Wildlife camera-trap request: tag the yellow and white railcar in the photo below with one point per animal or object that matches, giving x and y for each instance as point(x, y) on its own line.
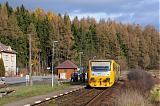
point(103, 73)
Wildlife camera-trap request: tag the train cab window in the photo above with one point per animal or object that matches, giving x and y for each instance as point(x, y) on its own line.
point(100, 68)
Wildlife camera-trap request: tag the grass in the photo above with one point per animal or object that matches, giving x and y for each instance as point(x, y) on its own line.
point(27, 91)
point(131, 98)
point(137, 89)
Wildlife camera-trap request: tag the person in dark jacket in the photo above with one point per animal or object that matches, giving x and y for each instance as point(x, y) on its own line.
point(76, 76)
point(73, 77)
point(83, 76)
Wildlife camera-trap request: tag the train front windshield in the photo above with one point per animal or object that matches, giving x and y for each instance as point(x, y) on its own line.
point(100, 68)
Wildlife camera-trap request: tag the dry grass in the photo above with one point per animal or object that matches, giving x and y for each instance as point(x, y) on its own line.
point(136, 90)
point(131, 98)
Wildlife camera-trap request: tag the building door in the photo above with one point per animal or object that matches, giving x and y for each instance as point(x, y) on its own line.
point(62, 75)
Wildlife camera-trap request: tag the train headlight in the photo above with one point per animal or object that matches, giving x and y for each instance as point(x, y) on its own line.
point(108, 79)
point(92, 80)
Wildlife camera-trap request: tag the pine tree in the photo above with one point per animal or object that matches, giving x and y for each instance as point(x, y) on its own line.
point(3, 20)
point(13, 28)
point(144, 58)
point(133, 48)
point(23, 18)
point(9, 9)
point(35, 46)
point(68, 38)
point(152, 39)
point(76, 33)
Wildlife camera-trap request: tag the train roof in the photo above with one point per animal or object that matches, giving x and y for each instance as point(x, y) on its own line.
point(110, 60)
point(103, 60)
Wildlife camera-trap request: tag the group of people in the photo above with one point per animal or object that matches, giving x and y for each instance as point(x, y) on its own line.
point(74, 77)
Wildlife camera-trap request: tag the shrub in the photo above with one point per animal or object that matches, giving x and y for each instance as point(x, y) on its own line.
point(140, 80)
point(2, 69)
point(131, 98)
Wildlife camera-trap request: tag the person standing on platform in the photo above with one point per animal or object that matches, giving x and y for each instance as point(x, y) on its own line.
point(72, 77)
point(83, 76)
point(76, 76)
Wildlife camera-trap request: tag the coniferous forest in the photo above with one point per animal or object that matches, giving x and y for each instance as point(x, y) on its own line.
point(132, 45)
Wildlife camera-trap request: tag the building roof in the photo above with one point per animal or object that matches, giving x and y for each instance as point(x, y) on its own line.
point(8, 49)
point(67, 65)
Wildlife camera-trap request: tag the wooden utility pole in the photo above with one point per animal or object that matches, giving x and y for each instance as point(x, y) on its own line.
point(53, 61)
point(39, 63)
point(30, 61)
point(80, 61)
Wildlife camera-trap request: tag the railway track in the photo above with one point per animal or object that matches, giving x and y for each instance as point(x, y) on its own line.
point(106, 97)
point(94, 100)
point(83, 100)
point(86, 97)
point(72, 98)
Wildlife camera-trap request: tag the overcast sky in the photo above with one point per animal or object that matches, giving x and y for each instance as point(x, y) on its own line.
point(141, 12)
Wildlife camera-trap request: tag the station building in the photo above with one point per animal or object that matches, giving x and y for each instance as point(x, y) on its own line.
point(65, 69)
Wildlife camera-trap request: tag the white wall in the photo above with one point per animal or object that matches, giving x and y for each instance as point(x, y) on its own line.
point(9, 63)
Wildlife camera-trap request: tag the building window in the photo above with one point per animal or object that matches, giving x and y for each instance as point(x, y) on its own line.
point(6, 68)
point(12, 68)
point(6, 57)
point(12, 58)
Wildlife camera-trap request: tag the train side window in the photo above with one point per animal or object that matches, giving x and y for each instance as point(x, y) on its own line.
point(119, 69)
point(114, 67)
